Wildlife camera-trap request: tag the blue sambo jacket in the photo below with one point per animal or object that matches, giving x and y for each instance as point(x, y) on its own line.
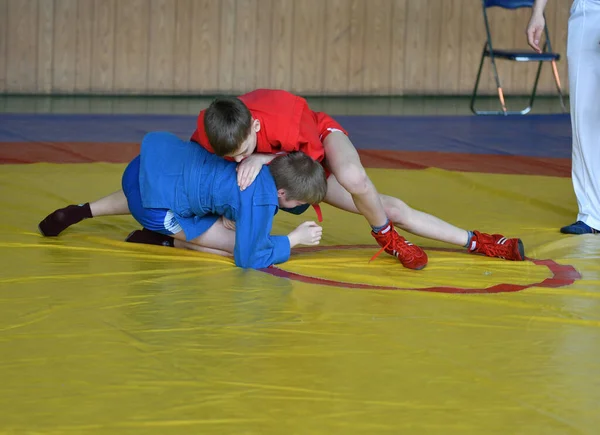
point(191, 182)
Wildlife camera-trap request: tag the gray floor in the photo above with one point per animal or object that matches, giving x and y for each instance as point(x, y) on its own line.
point(412, 105)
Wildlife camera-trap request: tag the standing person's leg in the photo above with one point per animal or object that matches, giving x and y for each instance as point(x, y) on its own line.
point(583, 53)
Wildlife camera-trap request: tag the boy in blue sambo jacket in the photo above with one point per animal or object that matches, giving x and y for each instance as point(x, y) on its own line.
point(178, 190)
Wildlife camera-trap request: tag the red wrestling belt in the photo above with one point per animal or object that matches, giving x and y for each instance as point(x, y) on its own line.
point(317, 208)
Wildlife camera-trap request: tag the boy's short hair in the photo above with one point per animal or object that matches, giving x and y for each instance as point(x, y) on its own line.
point(227, 123)
point(300, 176)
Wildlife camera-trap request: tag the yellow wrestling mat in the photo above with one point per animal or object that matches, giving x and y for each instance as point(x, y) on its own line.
point(99, 336)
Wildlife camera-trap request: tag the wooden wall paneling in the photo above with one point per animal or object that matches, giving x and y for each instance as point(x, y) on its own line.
point(244, 64)
point(558, 36)
point(131, 43)
point(488, 83)
point(508, 32)
point(523, 73)
point(83, 51)
point(432, 54)
point(204, 71)
point(472, 40)
point(264, 33)
point(227, 40)
point(449, 48)
point(21, 51)
point(377, 59)
point(398, 47)
point(182, 46)
point(307, 49)
point(64, 46)
point(488, 80)
point(3, 43)
point(358, 11)
point(161, 56)
point(416, 44)
point(281, 44)
point(502, 28)
point(557, 16)
point(103, 46)
point(45, 46)
point(360, 47)
point(546, 84)
point(336, 46)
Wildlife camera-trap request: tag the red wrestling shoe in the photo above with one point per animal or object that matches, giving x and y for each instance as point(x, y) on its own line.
point(496, 245)
point(411, 256)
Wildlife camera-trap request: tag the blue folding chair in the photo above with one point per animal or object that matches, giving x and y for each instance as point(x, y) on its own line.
point(518, 56)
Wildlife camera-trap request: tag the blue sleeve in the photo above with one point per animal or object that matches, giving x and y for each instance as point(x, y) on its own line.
point(255, 247)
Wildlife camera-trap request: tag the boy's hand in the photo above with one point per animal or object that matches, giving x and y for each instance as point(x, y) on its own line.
point(248, 169)
point(535, 29)
point(307, 233)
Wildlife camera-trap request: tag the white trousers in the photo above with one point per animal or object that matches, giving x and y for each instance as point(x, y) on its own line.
point(583, 53)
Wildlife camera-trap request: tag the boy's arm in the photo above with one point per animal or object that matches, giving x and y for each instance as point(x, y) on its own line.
point(255, 247)
point(248, 169)
point(539, 6)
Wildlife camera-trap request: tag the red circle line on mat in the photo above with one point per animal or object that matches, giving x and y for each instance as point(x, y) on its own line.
point(562, 275)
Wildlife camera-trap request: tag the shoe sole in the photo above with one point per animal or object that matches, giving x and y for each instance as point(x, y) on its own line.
point(127, 239)
point(44, 234)
point(521, 250)
point(575, 232)
point(416, 268)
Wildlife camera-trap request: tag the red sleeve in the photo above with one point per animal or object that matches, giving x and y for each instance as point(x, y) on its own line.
point(199, 136)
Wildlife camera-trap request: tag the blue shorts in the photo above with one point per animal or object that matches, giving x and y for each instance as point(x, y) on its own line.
point(160, 220)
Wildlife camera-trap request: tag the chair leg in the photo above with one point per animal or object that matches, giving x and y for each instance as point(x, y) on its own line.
point(534, 90)
point(474, 95)
point(500, 92)
point(558, 86)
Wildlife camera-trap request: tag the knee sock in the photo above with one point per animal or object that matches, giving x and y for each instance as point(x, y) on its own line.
point(469, 237)
point(378, 229)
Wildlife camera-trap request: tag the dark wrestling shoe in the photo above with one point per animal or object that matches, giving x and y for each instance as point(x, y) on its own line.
point(148, 237)
point(61, 219)
point(579, 228)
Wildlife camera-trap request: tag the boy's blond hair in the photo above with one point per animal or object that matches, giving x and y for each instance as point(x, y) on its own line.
point(301, 177)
